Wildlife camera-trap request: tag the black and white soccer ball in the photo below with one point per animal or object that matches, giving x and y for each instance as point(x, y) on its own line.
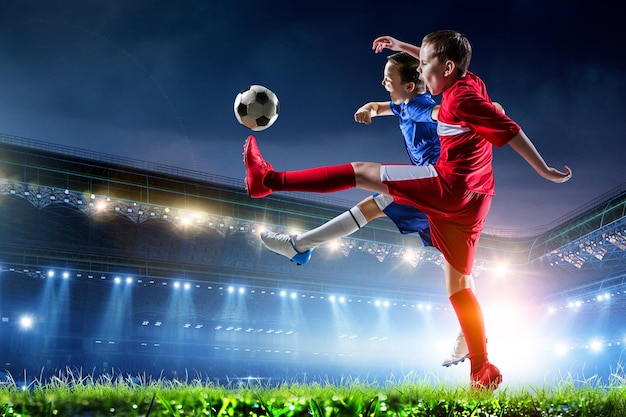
point(256, 107)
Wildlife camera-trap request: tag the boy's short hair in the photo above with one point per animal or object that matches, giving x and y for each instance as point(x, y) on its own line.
point(450, 45)
point(407, 64)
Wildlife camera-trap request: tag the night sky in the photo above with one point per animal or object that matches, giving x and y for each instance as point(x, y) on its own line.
point(155, 81)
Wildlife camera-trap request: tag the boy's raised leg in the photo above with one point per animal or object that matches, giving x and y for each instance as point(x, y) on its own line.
point(262, 179)
point(298, 248)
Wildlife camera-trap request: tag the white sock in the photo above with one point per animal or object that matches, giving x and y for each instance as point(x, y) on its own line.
point(345, 224)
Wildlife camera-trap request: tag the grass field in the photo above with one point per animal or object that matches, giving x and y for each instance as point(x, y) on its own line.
point(72, 394)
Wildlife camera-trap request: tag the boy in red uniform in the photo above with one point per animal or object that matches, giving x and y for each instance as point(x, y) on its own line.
point(455, 193)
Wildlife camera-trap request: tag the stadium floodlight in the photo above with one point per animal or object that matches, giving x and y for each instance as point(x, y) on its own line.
point(101, 205)
point(561, 349)
point(596, 345)
point(26, 322)
point(500, 269)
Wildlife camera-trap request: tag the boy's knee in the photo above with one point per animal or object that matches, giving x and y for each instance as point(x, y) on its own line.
point(370, 209)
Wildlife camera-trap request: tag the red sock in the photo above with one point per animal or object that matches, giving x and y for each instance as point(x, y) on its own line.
point(320, 180)
point(470, 317)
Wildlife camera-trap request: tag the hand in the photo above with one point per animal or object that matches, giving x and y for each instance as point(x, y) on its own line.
point(557, 176)
point(387, 42)
point(363, 115)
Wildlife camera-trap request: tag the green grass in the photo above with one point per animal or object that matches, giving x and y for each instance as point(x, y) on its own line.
point(84, 395)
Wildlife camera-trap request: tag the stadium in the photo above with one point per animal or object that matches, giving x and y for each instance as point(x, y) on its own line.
point(121, 266)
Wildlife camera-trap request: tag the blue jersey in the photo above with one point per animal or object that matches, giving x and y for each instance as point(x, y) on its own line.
point(422, 144)
point(419, 129)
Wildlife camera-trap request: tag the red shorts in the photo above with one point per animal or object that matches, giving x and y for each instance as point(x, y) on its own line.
point(456, 216)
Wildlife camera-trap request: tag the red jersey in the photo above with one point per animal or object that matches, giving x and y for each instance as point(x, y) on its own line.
point(468, 126)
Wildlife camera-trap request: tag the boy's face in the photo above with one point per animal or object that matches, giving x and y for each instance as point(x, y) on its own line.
point(432, 71)
point(399, 92)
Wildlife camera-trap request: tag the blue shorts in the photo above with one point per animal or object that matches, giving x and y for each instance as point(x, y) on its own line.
point(407, 218)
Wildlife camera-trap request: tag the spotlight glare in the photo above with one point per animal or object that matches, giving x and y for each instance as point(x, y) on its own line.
point(101, 205)
point(595, 345)
point(293, 295)
point(50, 274)
point(242, 290)
point(177, 284)
point(26, 322)
point(283, 293)
point(117, 280)
point(231, 289)
point(66, 275)
point(129, 280)
point(500, 269)
point(187, 285)
point(560, 349)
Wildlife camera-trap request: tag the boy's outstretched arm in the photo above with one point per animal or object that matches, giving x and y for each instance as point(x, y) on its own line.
point(394, 44)
point(372, 109)
point(523, 146)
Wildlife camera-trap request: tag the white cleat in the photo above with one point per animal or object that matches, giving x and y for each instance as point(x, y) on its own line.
point(459, 353)
point(282, 244)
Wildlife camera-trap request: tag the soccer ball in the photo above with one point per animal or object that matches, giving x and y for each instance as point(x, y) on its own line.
point(256, 107)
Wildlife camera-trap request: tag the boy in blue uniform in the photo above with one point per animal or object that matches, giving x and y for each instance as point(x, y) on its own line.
point(417, 112)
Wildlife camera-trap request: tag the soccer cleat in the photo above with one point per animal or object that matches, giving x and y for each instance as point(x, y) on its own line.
point(256, 169)
point(282, 244)
point(489, 377)
point(459, 353)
